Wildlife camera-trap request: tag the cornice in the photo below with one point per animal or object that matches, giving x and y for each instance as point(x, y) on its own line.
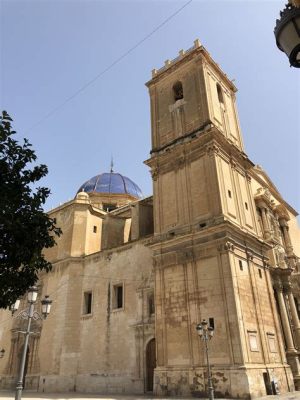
point(210, 236)
point(193, 250)
point(274, 192)
point(197, 52)
point(188, 148)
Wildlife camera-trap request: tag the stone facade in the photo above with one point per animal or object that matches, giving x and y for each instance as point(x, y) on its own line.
point(222, 246)
point(102, 318)
point(216, 241)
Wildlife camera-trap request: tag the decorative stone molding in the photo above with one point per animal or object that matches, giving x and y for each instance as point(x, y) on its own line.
point(292, 262)
point(277, 284)
point(265, 261)
point(263, 194)
point(280, 256)
point(282, 213)
point(154, 173)
point(287, 287)
point(249, 255)
point(226, 247)
point(283, 222)
point(144, 330)
point(185, 256)
point(212, 149)
point(179, 162)
point(232, 162)
point(156, 262)
point(297, 261)
point(283, 218)
point(248, 177)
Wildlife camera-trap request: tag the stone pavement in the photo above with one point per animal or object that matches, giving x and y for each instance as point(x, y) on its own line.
point(5, 395)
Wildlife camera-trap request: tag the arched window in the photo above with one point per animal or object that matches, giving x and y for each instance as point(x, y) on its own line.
point(178, 91)
point(220, 94)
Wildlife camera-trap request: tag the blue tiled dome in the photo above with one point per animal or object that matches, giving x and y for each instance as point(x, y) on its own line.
point(113, 183)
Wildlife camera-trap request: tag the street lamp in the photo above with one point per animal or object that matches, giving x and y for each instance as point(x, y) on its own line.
point(29, 314)
point(205, 333)
point(287, 32)
point(14, 307)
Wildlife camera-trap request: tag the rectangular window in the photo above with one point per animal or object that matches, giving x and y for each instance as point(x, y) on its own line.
point(151, 306)
point(211, 323)
point(87, 303)
point(229, 194)
point(246, 205)
point(259, 273)
point(95, 229)
point(117, 296)
point(241, 265)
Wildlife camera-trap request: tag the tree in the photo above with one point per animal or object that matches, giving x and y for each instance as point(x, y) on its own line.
point(25, 230)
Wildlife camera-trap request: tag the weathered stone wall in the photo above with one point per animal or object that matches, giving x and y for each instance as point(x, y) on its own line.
point(212, 253)
point(91, 352)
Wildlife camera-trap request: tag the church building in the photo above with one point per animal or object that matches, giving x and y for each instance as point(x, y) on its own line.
point(133, 276)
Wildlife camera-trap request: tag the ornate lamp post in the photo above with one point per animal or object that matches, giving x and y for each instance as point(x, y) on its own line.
point(287, 32)
point(205, 333)
point(29, 314)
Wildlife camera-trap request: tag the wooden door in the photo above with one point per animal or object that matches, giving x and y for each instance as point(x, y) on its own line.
point(150, 364)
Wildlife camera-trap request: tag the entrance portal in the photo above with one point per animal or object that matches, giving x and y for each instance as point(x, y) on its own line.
point(150, 364)
point(268, 384)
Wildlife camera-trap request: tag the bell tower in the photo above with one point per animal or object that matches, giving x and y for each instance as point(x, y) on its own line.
point(193, 113)
point(187, 95)
point(209, 260)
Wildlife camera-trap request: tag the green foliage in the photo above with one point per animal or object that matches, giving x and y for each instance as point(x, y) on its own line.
point(25, 230)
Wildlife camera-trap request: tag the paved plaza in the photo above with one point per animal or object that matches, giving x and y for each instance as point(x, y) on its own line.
point(4, 395)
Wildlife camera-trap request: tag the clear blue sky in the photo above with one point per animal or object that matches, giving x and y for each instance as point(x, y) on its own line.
point(50, 49)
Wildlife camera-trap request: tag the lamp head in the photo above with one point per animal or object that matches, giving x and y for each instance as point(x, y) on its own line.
point(32, 294)
point(14, 307)
point(204, 323)
point(199, 329)
point(46, 306)
point(287, 33)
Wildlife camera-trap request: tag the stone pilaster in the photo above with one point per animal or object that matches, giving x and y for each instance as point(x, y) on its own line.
point(266, 228)
point(284, 318)
point(291, 352)
point(294, 314)
point(286, 236)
